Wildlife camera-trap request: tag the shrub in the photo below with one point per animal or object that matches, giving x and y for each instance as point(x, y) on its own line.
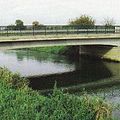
point(13, 80)
point(18, 102)
point(62, 106)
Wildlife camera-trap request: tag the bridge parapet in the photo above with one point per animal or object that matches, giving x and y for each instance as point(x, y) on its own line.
point(56, 29)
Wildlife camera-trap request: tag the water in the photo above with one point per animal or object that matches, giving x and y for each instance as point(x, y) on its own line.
point(43, 69)
point(46, 68)
point(31, 63)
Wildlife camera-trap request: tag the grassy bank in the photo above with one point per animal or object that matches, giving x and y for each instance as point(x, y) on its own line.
point(69, 51)
point(19, 102)
point(52, 50)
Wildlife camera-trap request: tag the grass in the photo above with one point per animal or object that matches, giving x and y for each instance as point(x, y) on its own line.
point(52, 50)
point(19, 102)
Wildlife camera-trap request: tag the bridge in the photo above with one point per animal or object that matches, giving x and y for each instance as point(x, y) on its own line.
point(27, 43)
point(103, 47)
point(98, 41)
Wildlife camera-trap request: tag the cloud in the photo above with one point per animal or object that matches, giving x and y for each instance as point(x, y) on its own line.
point(56, 11)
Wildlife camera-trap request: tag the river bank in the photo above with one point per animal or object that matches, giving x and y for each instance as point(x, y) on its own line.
point(69, 51)
point(18, 102)
point(38, 63)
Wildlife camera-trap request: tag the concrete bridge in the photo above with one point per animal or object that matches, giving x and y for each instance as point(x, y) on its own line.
point(103, 47)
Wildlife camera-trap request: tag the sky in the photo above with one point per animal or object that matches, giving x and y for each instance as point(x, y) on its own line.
point(57, 11)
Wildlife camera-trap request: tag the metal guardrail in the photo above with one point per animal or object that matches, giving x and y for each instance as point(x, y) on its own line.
point(56, 29)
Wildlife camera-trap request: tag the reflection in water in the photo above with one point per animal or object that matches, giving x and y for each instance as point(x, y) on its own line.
point(30, 63)
point(66, 71)
point(85, 71)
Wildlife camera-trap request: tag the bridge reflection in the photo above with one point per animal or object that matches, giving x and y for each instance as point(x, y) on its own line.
point(85, 72)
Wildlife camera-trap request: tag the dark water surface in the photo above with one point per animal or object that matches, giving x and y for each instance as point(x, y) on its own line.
point(44, 69)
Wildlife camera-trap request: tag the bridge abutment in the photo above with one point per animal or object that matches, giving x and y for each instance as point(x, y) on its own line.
point(101, 51)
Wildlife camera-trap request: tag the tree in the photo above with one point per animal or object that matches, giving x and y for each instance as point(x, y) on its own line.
point(35, 23)
point(109, 22)
point(83, 20)
point(19, 24)
point(11, 27)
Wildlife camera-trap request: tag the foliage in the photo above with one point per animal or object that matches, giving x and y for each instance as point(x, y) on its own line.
point(19, 24)
point(13, 80)
point(61, 50)
point(83, 20)
point(70, 107)
point(11, 27)
point(53, 50)
point(35, 23)
point(18, 102)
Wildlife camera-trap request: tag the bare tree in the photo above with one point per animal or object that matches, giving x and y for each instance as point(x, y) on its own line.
point(108, 22)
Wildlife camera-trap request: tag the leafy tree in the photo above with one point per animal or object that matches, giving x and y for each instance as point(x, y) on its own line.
point(35, 23)
point(19, 24)
point(83, 20)
point(11, 27)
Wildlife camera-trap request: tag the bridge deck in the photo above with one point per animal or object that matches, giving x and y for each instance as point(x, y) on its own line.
point(112, 40)
point(56, 36)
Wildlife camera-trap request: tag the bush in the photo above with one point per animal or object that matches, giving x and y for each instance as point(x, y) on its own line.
point(13, 80)
point(70, 107)
point(18, 102)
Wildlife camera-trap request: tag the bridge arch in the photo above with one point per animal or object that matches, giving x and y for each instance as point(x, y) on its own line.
point(109, 52)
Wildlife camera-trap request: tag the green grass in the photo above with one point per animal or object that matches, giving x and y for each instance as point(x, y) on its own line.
point(19, 102)
point(52, 50)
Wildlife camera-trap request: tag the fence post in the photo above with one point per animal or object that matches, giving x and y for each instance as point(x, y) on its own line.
point(67, 31)
point(45, 30)
point(7, 32)
point(77, 30)
point(105, 29)
point(20, 32)
point(96, 29)
point(87, 31)
point(56, 30)
point(33, 30)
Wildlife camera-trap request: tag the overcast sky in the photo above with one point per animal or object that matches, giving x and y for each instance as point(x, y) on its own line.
point(57, 11)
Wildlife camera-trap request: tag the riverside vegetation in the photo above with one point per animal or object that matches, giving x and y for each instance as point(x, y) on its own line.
point(19, 102)
point(69, 51)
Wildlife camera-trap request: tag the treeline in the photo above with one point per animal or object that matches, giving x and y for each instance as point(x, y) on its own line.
point(19, 25)
point(86, 20)
point(83, 20)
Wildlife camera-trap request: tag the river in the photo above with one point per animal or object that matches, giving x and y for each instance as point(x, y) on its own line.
point(101, 77)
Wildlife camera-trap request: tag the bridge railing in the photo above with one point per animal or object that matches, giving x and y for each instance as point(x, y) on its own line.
point(56, 29)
